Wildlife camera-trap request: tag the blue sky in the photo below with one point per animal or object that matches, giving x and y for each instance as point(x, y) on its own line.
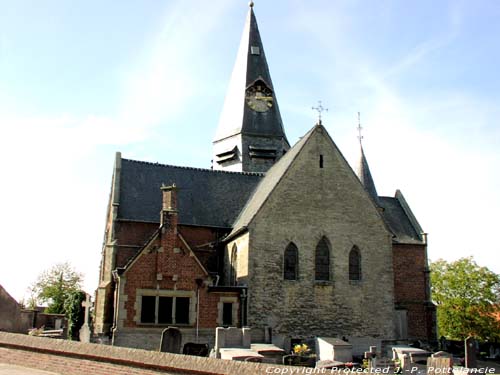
point(80, 81)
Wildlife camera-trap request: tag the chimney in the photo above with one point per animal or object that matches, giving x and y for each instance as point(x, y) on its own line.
point(169, 203)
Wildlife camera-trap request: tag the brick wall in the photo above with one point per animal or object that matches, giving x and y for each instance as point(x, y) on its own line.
point(166, 267)
point(411, 286)
point(75, 358)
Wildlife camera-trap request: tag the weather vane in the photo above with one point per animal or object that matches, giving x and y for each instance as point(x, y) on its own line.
point(320, 109)
point(360, 128)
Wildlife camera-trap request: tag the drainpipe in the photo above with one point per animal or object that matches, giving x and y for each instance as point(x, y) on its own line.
point(116, 277)
point(199, 283)
point(243, 307)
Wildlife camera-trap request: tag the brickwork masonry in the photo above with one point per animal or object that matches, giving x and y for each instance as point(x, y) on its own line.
point(75, 358)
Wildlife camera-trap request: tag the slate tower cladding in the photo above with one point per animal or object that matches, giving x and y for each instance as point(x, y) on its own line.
point(366, 178)
point(250, 136)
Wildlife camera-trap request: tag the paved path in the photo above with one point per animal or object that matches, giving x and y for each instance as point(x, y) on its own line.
point(6, 369)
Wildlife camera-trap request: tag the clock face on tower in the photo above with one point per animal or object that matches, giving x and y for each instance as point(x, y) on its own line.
point(259, 97)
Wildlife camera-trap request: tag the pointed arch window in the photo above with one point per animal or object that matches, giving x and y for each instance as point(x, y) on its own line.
point(322, 260)
point(234, 266)
point(354, 264)
point(291, 262)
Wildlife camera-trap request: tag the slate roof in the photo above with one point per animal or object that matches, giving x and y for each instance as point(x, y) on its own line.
point(398, 222)
point(205, 197)
point(228, 199)
point(236, 116)
point(366, 178)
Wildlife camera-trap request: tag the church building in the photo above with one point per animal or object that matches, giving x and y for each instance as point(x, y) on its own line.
point(287, 240)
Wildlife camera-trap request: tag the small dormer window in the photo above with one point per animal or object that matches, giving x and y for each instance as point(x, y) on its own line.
point(254, 50)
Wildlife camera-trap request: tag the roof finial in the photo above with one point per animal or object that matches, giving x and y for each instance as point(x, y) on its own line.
point(360, 128)
point(250, 4)
point(320, 109)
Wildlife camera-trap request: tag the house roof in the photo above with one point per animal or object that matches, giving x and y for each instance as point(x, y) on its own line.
point(205, 197)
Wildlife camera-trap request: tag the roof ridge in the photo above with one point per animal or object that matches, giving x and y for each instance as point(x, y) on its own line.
point(195, 168)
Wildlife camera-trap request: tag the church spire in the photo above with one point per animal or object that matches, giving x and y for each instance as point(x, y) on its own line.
point(364, 170)
point(250, 136)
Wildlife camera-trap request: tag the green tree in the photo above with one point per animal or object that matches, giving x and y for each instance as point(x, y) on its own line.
point(54, 286)
point(74, 312)
point(466, 296)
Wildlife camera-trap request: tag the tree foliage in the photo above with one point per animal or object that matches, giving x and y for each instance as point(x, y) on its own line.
point(74, 312)
point(54, 287)
point(467, 297)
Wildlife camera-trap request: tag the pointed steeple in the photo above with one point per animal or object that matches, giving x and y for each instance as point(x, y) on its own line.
point(366, 178)
point(250, 136)
point(364, 173)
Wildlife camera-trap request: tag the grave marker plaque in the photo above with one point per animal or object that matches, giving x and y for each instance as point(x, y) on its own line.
point(171, 339)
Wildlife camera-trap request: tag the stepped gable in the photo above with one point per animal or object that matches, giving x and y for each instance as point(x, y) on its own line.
point(205, 197)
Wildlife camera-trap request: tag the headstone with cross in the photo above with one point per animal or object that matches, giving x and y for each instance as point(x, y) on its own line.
point(85, 330)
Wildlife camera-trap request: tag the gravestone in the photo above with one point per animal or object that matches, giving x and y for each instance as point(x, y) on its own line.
point(191, 348)
point(171, 339)
point(443, 343)
point(231, 338)
point(405, 362)
point(85, 330)
point(470, 352)
point(333, 349)
point(439, 366)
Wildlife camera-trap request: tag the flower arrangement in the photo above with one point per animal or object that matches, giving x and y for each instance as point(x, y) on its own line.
point(301, 349)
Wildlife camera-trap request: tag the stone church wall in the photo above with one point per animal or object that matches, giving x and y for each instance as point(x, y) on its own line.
point(241, 267)
point(310, 203)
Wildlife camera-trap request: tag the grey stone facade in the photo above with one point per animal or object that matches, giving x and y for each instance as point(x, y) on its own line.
point(306, 204)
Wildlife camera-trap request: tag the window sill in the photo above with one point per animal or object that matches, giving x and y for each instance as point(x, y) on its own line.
point(355, 282)
point(165, 325)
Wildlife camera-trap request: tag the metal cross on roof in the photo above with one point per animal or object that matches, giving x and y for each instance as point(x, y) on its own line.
point(360, 128)
point(320, 109)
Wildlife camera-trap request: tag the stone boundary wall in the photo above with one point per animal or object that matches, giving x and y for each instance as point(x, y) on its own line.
point(75, 358)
